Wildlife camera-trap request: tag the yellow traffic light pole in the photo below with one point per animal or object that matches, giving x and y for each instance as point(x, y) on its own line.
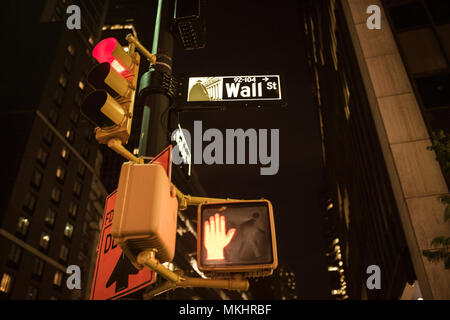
point(186, 200)
point(132, 40)
point(117, 146)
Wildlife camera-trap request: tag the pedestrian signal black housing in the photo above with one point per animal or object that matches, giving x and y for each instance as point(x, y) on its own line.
point(190, 24)
point(237, 237)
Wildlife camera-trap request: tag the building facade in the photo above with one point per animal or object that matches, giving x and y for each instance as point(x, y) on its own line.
point(380, 95)
point(53, 198)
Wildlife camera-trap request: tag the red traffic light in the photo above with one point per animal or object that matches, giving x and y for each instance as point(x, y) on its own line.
point(109, 50)
point(237, 236)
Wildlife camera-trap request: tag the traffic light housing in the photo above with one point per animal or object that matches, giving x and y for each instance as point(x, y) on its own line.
point(236, 237)
point(110, 106)
point(190, 23)
point(145, 213)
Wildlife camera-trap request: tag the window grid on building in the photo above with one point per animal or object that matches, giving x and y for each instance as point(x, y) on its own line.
point(6, 283)
point(15, 254)
point(42, 156)
point(44, 241)
point(50, 217)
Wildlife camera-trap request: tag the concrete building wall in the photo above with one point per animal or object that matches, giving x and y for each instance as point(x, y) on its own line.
point(416, 177)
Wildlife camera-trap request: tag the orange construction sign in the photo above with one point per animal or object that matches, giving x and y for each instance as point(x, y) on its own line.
point(115, 276)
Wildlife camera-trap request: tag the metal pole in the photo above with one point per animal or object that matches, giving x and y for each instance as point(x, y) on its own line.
point(157, 138)
point(145, 82)
point(154, 136)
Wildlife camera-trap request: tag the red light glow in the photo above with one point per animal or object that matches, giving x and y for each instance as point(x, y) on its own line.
point(104, 49)
point(103, 52)
point(216, 238)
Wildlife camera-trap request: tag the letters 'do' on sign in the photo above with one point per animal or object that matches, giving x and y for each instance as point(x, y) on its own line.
point(115, 276)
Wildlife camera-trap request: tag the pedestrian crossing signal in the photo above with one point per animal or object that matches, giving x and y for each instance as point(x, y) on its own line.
point(237, 237)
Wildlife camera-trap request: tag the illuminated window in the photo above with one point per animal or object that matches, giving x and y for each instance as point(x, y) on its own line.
point(64, 253)
point(65, 154)
point(44, 241)
point(70, 135)
point(62, 80)
point(57, 278)
point(81, 85)
point(68, 231)
point(73, 209)
point(42, 156)
point(55, 196)
point(22, 226)
point(6, 283)
point(60, 173)
point(50, 217)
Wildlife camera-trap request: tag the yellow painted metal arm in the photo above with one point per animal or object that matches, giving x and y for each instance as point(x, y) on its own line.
point(166, 286)
point(150, 57)
point(175, 280)
point(147, 258)
point(116, 145)
point(186, 200)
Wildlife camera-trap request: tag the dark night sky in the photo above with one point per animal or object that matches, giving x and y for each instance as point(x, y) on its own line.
point(263, 37)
